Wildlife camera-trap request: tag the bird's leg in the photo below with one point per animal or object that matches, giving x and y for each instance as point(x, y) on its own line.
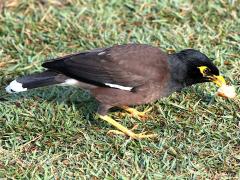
point(136, 113)
point(102, 111)
point(123, 130)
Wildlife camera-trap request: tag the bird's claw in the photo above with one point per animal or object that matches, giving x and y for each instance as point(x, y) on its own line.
point(131, 134)
point(135, 113)
point(116, 132)
point(144, 135)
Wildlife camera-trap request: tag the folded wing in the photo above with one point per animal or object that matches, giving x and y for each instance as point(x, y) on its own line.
point(125, 65)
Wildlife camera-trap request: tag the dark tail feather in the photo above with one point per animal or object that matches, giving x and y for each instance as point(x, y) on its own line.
point(45, 78)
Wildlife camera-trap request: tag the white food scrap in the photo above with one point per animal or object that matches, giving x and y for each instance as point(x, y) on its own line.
point(226, 91)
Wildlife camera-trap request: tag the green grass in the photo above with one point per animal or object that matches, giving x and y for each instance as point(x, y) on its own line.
point(52, 133)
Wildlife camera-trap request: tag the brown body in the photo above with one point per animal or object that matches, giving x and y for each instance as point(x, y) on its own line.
point(142, 67)
point(109, 97)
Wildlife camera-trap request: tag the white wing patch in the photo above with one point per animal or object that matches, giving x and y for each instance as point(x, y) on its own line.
point(101, 53)
point(15, 87)
point(119, 86)
point(70, 82)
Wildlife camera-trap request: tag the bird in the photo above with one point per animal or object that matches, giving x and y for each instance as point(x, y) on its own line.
point(123, 76)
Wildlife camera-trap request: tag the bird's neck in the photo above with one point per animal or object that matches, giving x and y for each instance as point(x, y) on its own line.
point(180, 77)
point(178, 69)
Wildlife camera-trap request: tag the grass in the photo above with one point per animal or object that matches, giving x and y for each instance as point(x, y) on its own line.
point(51, 133)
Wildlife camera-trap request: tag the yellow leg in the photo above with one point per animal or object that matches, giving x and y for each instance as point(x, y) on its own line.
point(135, 112)
point(124, 130)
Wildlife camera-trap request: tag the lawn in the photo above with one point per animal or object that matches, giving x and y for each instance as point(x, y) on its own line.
point(52, 133)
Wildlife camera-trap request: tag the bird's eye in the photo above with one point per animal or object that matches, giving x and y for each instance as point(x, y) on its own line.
point(207, 71)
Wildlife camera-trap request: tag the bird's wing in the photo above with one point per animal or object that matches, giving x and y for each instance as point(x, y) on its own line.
point(125, 65)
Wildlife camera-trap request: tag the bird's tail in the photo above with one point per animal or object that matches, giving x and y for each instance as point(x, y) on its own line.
point(35, 80)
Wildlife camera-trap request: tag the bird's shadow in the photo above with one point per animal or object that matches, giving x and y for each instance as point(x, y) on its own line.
point(206, 97)
point(81, 99)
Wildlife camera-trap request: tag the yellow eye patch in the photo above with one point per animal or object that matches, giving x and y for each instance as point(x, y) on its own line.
point(203, 69)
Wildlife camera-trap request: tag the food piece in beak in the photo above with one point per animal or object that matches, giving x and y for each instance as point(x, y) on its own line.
point(226, 91)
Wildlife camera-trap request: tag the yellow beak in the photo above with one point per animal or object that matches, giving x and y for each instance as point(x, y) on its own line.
point(219, 80)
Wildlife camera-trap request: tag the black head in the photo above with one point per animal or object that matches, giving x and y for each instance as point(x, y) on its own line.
point(198, 67)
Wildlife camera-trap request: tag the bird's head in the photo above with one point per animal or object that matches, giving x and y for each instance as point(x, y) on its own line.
point(199, 68)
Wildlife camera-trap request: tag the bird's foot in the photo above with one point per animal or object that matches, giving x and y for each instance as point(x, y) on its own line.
point(132, 134)
point(125, 131)
point(135, 113)
point(117, 132)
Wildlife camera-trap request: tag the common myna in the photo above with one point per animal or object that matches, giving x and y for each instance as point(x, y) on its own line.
point(124, 75)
